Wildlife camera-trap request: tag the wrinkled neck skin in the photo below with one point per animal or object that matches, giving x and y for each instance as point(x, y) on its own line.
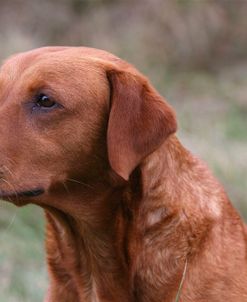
point(131, 243)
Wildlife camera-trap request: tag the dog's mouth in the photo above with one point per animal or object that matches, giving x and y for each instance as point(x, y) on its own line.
point(22, 194)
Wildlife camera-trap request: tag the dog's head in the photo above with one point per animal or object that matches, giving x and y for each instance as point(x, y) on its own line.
point(74, 114)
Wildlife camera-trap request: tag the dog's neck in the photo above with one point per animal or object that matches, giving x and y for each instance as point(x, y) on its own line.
point(86, 247)
point(99, 241)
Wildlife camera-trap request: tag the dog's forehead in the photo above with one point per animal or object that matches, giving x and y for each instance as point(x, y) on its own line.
point(18, 63)
point(57, 60)
point(14, 66)
point(62, 70)
point(53, 60)
point(24, 59)
point(59, 71)
point(27, 58)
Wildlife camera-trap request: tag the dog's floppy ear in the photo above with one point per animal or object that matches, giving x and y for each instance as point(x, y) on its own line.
point(139, 122)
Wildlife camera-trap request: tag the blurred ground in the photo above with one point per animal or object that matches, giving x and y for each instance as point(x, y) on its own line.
point(194, 52)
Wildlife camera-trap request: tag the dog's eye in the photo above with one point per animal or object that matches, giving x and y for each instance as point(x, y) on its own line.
point(45, 102)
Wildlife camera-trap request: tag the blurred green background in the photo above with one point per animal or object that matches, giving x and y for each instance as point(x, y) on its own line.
point(194, 52)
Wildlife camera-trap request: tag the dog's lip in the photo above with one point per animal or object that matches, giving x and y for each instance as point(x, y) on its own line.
point(29, 193)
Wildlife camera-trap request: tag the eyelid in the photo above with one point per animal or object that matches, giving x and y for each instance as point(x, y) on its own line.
point(38, 108)
point(44, 92)
point(33, 107)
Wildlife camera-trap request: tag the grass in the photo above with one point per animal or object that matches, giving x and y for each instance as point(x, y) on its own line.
point(212, 113)
point(22, 265)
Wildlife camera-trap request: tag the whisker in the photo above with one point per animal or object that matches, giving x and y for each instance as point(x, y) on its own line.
point(66, 188)
point(10, 223)
point(12, 187)
point(11, 161)
point(79, 182)
point(8, 170)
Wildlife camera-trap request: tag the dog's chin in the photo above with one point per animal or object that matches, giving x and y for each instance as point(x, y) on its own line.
point(21, 198)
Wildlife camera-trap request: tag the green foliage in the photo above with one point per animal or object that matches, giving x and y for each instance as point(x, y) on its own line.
point(22, 265)
point(236, 124)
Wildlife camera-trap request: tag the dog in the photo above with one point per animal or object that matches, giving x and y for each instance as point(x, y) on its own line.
point(132, 216)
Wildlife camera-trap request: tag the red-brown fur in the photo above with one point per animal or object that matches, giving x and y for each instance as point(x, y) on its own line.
point(127, 206)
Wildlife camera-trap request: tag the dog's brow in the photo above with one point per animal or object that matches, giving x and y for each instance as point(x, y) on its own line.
point(12, 69)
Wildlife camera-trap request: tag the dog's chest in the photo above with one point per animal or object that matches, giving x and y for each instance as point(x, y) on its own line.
point(94, 295)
